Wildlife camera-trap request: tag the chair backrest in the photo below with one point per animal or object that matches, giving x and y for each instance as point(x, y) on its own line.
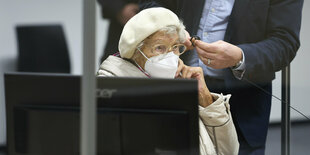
point(42, 48)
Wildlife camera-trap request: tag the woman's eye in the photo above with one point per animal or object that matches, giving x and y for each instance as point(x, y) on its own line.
point(160, 48)
point(174, 48)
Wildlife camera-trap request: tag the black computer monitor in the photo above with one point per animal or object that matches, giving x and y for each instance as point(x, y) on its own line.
point(135, 115)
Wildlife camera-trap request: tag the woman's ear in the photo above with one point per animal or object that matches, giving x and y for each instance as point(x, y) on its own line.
point(188, 42)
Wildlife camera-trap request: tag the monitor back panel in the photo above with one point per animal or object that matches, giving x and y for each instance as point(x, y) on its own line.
point(135, 116)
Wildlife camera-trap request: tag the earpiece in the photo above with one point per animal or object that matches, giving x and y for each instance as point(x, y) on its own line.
point(193, 38)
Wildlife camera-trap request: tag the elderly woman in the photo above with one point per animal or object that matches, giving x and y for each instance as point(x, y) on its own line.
point(150, 46)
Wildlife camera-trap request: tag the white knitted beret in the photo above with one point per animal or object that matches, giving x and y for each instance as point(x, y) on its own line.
point(143, 25)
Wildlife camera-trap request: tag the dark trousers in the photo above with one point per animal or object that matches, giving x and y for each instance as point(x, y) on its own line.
point(246, 149)
point(216, 85)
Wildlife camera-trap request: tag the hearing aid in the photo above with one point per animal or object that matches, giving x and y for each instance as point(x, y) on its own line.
point(193, 39)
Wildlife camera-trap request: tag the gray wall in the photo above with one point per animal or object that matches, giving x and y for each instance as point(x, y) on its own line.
point(69, 13)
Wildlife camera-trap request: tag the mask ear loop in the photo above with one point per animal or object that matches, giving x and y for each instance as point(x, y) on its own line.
point(147, 74)
point(193, 39)
point(143, 53)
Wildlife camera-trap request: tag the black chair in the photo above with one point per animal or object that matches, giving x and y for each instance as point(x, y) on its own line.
point(42, 48)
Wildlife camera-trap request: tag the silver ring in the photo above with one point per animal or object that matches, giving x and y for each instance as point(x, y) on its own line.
point(208, 61)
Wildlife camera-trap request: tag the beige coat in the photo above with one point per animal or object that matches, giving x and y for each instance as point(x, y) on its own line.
point(217, 131)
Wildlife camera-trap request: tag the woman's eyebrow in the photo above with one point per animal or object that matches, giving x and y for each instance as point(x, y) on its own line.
point(160, 40)
point(156, 41)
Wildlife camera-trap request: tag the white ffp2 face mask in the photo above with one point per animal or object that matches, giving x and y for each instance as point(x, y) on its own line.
point(162, 66)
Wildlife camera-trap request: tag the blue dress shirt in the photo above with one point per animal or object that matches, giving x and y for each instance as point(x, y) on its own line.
point(212, 27)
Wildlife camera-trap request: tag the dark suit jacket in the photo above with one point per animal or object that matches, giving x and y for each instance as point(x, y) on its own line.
point(268, 33)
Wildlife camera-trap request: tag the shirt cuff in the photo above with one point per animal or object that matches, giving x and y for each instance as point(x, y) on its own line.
point(216, 114)
point(240, 70)
point(242, 65)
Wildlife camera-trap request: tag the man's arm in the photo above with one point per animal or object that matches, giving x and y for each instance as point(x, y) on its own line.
point(282, 43)
point(275, 51)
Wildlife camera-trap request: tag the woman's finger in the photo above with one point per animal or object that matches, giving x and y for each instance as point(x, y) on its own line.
point(189, 73)
point(180, 67)
point(184, 71)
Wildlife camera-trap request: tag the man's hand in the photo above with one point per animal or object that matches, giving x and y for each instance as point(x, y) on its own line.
point(187, 72)
point(218, 55)
point(127, 12)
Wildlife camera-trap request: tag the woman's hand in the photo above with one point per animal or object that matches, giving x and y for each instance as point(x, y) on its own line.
point(187, 72)
point(180, 67)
